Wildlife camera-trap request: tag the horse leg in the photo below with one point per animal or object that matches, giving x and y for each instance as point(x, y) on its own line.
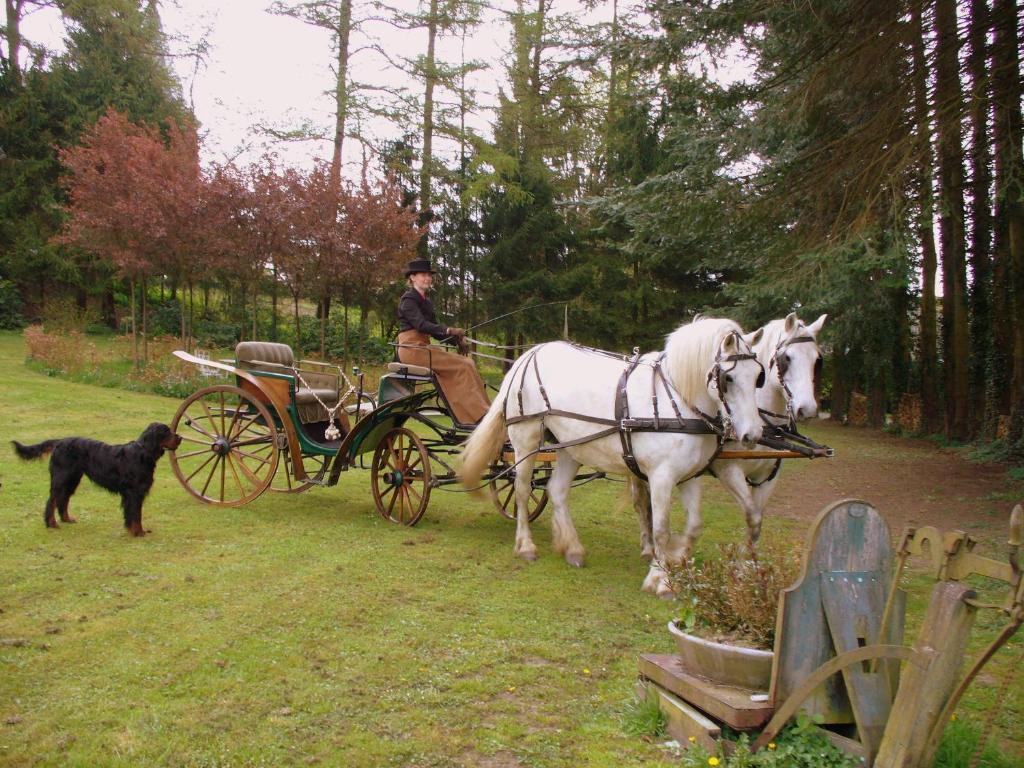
point(682, 547)
point(525, 438)
point(657, 580)
point(642, 506)
point(760, 496)
point(734, 479)
point(565, 540)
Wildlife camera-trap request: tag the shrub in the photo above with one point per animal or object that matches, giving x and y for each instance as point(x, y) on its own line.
point(211, 333)
point(734, 596)
point(61, 353)
point(66, 315)
point(10, 306)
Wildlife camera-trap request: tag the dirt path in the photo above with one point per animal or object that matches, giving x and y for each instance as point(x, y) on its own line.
point(910, 481)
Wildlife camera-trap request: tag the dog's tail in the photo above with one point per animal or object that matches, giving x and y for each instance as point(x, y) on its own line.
point(34, 451)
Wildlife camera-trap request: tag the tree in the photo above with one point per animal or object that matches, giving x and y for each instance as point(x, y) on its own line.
point(952, 233)
point(438, 18)
point(1008, 134)
point(383, 235)
point(108, 213)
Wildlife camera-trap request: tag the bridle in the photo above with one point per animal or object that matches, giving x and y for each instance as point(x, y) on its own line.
point(780, 362)
point(718, 374)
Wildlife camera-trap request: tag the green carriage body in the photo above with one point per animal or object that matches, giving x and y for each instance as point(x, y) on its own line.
point(275, 421)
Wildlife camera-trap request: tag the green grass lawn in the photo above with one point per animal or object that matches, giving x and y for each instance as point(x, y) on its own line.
point(303, 629)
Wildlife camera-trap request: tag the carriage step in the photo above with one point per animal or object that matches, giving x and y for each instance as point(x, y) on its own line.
point(547, 457)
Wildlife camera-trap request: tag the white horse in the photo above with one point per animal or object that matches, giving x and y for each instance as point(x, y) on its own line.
point(571, 391)
point(789, 351)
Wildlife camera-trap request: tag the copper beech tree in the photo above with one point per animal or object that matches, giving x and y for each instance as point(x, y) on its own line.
point(139, 199)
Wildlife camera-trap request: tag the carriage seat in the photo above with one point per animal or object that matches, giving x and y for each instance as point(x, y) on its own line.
point(405, 369)
point(271, 357)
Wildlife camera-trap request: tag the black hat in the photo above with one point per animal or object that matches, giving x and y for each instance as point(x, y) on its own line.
point(419, 265)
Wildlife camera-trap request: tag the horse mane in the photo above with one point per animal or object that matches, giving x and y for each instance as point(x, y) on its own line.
point(690, 351)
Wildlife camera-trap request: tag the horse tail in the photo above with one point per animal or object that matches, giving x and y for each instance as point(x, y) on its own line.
point(34, 451)
point(487, 439)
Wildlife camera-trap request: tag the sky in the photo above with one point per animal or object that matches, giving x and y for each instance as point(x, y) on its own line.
point(267, 70)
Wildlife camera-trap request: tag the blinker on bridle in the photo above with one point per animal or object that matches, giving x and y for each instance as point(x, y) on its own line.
point(720, 383)
point(717, 370)
point(781, 365)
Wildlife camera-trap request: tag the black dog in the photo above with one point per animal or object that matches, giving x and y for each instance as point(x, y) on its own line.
point(125, 469)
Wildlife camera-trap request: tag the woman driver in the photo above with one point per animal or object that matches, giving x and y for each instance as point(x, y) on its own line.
point(457, 375)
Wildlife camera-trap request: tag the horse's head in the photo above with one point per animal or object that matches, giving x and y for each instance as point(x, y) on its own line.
point(734, 379)
point(795, 363)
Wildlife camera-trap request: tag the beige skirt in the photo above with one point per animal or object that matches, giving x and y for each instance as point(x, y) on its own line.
point(460, 381)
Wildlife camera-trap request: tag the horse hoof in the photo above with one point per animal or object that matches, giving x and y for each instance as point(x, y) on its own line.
point(576, 561)
point(528, 554)
point(647, 554)
point(665, 592)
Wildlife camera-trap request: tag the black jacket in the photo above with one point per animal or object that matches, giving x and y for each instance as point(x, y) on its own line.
point(416, 313)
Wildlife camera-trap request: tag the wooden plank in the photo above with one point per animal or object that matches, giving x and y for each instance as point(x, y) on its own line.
point(681, 720)
point(732, 706)
point(849, 746)
point(848, 536)
point(929, 681)
point(853, 603)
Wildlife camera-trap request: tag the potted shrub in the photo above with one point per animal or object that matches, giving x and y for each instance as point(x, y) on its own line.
point(725, 630)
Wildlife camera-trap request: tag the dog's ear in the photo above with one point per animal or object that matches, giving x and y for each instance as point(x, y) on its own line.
point(153, 437)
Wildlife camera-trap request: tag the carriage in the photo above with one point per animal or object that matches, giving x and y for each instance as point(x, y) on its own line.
point(287, 425)
point(284, 425)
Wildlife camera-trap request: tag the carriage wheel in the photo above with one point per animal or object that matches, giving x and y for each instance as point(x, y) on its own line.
point(400, 477)
point(503, 494)
point(228, 453)
point(284, 479)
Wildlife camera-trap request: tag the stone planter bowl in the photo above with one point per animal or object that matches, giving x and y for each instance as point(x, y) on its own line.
point(722, 663)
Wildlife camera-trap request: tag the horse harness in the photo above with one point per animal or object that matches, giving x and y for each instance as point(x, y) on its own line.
point(781, 365)
point(623, 424)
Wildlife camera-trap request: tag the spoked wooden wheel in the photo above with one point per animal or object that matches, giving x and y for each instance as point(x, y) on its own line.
point(503, 494)
point(228, 453)
point(400, 477)
point(284, 480)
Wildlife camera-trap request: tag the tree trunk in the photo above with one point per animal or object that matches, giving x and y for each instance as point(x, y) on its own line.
point(344, 309)
point(181, 324)
point(109, 307)
point(13, 9)
point(949, 104)
point(135, 336)
point(298, 333)
point(255, 305)
point(341, 94)
point(840, 391)
point(426, 169)
point(930, 405)
point(145, 332)
point(364, 315)
point(981, 217)
point(325, 309)
point(1009, 209)
point(273, 305)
